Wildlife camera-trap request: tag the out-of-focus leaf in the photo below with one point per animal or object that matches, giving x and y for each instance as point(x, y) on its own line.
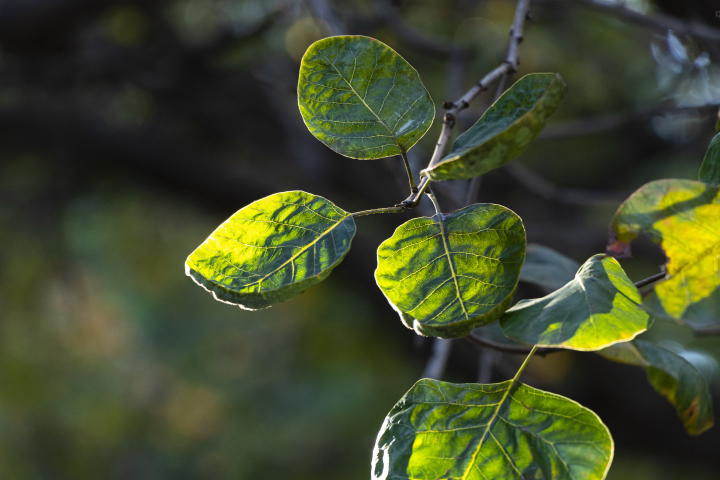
point(505, 130)
point(362, 99)
point(599, 307)
point(446, 276)
point(490, 432)
point(673, 377)
point(683, 216)
point(272, 250)
point(710, 168)
point(546, 267)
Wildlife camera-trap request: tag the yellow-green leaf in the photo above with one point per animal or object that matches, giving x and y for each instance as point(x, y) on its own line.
point(362, 99)
point(683, 216)
point(673, 377)
point(447, 276)
point(599, 307)
point(272, 250)
point(505, 130)
point(503, 431)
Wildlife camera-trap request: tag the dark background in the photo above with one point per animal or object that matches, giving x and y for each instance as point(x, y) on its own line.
point(130, 130)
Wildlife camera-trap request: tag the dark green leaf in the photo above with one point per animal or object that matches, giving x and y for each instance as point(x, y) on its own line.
point(683, 216)
point(505, 130)
point(502, 431)
point(710, 168)
point(362, 99)
point(599, 307)
point(272, 250)
point(547, 268)
point(447, 276)
point(673, 377)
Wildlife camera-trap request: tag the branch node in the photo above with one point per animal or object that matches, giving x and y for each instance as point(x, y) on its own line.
point(447, 105)
point(463, 105)
point(449, 119)
point(528, 16)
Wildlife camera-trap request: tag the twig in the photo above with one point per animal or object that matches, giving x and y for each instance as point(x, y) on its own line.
point(610, 121)
point(508, 66)
point(480, 341)
point(652, 279)
point(538, 185)
point(656, 21)
point(438, 359)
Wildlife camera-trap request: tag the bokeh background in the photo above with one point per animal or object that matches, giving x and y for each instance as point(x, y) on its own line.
point(130, 129)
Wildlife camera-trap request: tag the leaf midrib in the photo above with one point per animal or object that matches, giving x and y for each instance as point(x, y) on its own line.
point(304, 249)
point(363, 100)
point(452, 267)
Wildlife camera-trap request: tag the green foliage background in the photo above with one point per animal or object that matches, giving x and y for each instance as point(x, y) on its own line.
point(113, 364)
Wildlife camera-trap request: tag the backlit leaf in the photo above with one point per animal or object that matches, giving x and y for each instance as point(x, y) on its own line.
point(505, 130)
point(362, 99)
point(503, 431)
point(547, 268)
point(673, 377)
point(272, 250)
point(447, 276)
point(683, 216)
point(599, 307)
point(710, 168)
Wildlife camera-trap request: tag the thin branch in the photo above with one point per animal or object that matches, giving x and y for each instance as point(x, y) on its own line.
point(539, 185)
point(611, 121)
point(658, 22)
point(438, 359)
point(508, 66)
point(652, 279)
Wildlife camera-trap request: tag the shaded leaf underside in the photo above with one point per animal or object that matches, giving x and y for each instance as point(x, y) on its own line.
point(502, 431)
point(362, 99)
point(673, 377)
point(272, 250)
point(446, 277)
point(599, 307)
point(547, 268)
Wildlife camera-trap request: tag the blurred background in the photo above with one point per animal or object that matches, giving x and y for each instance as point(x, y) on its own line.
point(130, 129)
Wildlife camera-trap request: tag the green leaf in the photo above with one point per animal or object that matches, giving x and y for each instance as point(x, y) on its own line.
point(505, 130)
point(673, 377)
point(272, 250)
point(599, 307)
point(502, 431)
point(362, 99)
point(710, 168)
point(447, 276)
point(547, 268)
point(683, 216)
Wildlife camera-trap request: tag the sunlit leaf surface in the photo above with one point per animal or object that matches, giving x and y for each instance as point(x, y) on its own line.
point(710, 168)
point(683, 216)
point(673, 377)
point(447, 276)
point(362, 99)
point(272, 250)
point(547, 268)
point(505, 130)
point(599, 307)
point(503, 431)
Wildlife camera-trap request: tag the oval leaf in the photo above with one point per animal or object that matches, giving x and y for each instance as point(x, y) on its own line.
point(490, 432)
point(547, 268)
point(272, 250)
point(673, 377)
point(599, 307)
point(362, 99)
point(683, 216)
point(447, 276)
point(505, 130)
point(710, 168)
